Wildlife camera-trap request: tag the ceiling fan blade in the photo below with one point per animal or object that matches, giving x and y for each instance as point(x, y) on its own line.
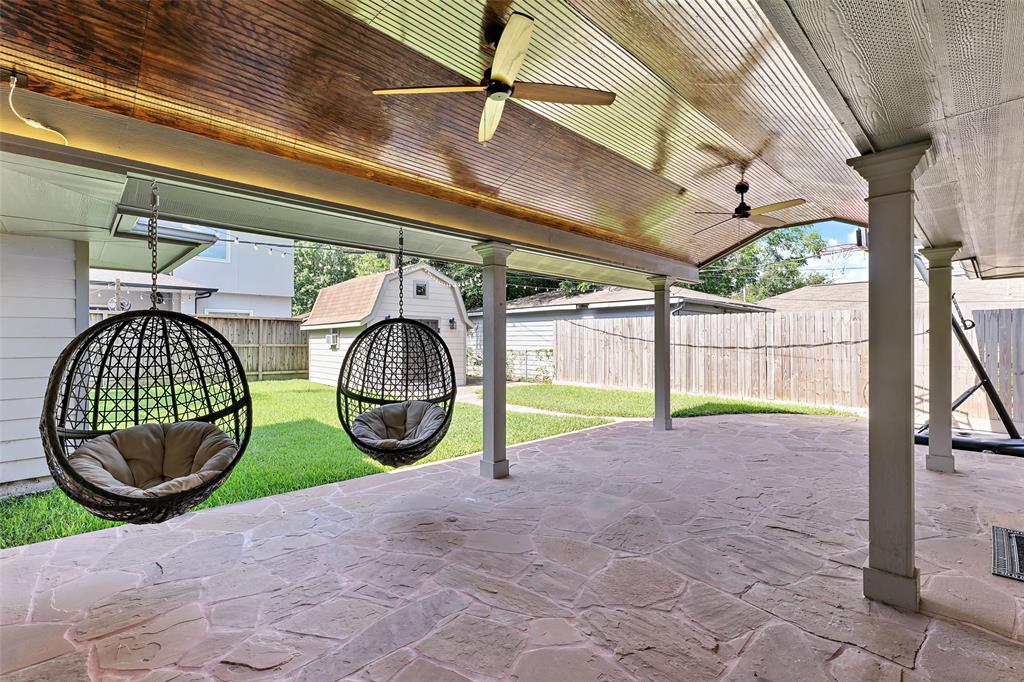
point(765, 221)
point(430, 90)
point(489, 119)
point(562, 94)
point(777, 206)
point(720, 222)
point(511, 50)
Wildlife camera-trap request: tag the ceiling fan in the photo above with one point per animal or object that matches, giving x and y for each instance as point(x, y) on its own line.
point(754, 215)
point(499, 81)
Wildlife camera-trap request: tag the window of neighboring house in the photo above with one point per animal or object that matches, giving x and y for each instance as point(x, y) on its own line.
point(420, 288)
point(219, 251)
point(228, 312)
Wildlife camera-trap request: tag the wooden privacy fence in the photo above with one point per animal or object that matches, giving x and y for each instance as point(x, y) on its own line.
point(815, 358)
point(269, 347)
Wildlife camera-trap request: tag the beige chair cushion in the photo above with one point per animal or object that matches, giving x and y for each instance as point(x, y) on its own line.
point(152, 460)
point(398, 425)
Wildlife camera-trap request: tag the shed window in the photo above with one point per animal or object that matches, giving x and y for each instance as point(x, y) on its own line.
point(421, 289)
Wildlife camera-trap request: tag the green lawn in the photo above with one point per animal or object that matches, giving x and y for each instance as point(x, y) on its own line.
point(296, 443)
point(608, 402)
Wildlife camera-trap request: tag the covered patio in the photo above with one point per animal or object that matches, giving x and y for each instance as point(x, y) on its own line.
point(753, 547)
point(730, 549)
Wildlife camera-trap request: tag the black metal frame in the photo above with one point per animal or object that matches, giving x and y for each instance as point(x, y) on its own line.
point(142, 367)
point(394, 361)
point(1012, 445)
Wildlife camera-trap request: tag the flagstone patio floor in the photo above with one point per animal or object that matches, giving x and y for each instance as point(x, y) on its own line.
point(727, 549)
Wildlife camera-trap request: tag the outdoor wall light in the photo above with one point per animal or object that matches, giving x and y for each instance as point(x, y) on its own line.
point(451, 323)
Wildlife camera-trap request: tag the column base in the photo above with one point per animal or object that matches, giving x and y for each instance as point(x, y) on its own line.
point(944, 463)
point(895, 590)
point(489, 469)
point(662, 425)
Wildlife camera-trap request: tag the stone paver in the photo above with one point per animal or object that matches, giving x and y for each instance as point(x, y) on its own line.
point(727, 549)
point(25, 645)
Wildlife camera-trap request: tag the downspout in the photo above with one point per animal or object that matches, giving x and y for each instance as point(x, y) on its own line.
point(195, 300)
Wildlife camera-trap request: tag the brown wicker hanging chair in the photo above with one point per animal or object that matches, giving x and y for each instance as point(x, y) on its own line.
point(146, 414)
point(396, 391)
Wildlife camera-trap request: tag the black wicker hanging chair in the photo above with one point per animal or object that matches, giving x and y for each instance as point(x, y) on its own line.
point(396, 388)
point(146, 413)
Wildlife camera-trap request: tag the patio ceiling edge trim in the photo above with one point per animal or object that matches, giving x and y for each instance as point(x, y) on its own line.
point(116, 143)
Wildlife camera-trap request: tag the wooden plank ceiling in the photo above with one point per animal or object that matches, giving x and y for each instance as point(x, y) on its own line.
point(694, 80)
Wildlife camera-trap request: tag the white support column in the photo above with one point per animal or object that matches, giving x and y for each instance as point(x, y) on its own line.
point(495, 257)
point(662, 352)
point(890, 574)
point(940, 358)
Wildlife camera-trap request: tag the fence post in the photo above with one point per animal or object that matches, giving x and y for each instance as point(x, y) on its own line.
point(259, 350)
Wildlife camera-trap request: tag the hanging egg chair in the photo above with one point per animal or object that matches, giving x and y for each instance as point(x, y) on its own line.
point(397, 388)
point(146, 413)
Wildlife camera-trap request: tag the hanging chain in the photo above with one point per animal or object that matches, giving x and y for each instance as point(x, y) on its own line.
point(154, 217)
point(401, 271)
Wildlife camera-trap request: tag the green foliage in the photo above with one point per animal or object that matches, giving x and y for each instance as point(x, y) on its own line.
point(608, 402)
point(318, 266)
point(470, 281)
point(368, 263)
point(767, 267)
point(296, 443)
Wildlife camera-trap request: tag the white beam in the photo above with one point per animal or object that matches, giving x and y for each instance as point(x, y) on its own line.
point(116, 143)
point(493, 463)
point(891, 575)
point(662, 352)
point(940, 357)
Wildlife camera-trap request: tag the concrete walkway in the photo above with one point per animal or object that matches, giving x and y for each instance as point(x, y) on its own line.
point(727, 549)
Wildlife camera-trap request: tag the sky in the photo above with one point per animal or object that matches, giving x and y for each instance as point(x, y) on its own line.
point(849, 266)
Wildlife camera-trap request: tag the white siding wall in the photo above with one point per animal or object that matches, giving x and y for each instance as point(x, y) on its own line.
point(37, 319)
point(260, 306)
point(325, 361)
point(440, 305)
point(530, 342)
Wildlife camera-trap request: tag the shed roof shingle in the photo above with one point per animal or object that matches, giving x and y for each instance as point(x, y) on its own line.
point(349, 301)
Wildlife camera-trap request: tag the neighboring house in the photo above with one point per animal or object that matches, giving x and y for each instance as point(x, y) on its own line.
point(173, 293)
point(250, 275)
point(531, 320)
point(971, 294)
point(56, 222)
point(342, 311)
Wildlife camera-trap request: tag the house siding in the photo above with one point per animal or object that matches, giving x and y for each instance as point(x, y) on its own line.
point(257, 305)
point(38, 318)
point(325, 362)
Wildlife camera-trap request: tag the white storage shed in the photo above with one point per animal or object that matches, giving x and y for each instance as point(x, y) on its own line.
point(342, 311)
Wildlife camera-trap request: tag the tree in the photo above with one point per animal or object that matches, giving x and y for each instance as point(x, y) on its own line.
point(318, 266)
point(369, 263)
point(766, 267)
point(470, 281)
